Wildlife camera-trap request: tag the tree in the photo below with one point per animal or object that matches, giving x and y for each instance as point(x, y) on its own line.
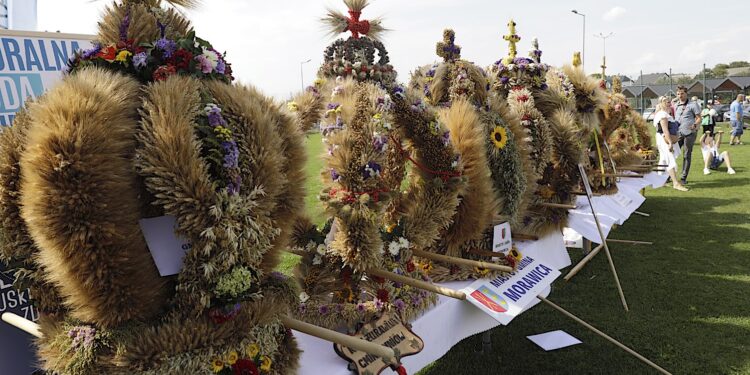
point(709, 74)
point(720, 70)
point(739, 64)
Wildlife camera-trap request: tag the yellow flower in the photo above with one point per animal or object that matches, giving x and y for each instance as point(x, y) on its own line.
point(123, 55)
point(232, 357)
point(292, 106)
point(499, 137)
point(515, 254)
point(481, 271)
point(253, 350)
point(390, 228)
point(217, 364)
point(427, 267)
point(265, 364)
point(319, 82)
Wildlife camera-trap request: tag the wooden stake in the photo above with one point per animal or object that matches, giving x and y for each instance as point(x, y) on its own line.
point(558, 205)
point(485, 253)
point(339, 338)
point(582, 262)
point(525, 237)
point(584, 193)
point(641, 213)
point(22, 323)
point(462, 261)
point(623, 175)
point(604, 335)
point(630, 242)
point(418, 284)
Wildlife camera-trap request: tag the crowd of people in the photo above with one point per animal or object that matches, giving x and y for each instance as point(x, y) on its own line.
point(677, 123)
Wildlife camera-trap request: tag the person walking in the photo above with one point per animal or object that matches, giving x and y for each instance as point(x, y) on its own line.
point(688, 115)
point(735, 118)
point(665, 140)
point(708, 122)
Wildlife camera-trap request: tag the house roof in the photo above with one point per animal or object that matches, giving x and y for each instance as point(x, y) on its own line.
point(649, 79)
point(742, 82)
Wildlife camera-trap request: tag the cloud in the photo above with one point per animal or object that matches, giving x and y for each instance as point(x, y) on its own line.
point(614, 13)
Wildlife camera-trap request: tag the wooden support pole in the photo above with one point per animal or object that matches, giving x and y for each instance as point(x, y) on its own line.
point(584, 193)
point(339, 338)
point(604, 335)
point(461, 261)
point(582, 262)
point(525, 237)
point(558, 205)
point(485, 253)
point(22, 323)
point(419, 284)
point(623, 175)
point(641, 213)
point(630, 242)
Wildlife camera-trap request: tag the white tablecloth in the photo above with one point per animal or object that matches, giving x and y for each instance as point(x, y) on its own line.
point(464, 320)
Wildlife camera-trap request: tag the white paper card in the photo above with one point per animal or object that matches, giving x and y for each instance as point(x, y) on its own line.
point(506, 296)
point(622, 199)
point(166, 247)
point(502, 239)
point(554, 340)
point(572, 238)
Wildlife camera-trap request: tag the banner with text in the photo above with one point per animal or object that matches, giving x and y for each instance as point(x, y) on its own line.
point(505, 296)
point(31, 63)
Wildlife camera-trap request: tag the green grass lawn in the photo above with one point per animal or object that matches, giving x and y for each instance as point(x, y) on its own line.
point(688, 293)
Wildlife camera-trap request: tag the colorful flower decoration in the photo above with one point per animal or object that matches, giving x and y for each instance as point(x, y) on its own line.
point(499, 137)
point(221, 151)
point(157, 60)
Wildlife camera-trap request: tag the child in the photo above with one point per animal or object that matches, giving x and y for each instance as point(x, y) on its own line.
point(711, 157)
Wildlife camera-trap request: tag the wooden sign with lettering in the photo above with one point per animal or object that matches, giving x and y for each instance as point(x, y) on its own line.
point(389, 331)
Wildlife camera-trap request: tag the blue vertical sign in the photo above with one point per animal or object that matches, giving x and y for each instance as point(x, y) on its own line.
point(30, 64)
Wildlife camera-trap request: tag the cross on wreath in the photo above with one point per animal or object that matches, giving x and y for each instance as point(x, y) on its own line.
point(512, 39)
point(447, 49)
point(355, 26)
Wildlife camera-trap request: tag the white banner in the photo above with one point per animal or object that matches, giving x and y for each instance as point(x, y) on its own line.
point(31, 63)
point(506, 296)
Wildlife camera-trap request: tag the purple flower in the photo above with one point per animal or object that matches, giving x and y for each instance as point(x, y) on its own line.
point(416, 300)
point(372, 169)
point(332, 106)
point(204, 63)
point(221, 66)
point(360, 307)
point(399, 304)
point(124, 25)
point(447, 138)
point(504, 80)
point(82, 336)
point(379, 304)
point(139, 60)
point(278, 276)
point(399, 92)
point(166, 46)
point(231, 154)
point(335, 176)
point(91, 52)
point(233, 187)
point(430, 73)
point(215, 119)
point(339, 307)
point(302, 308)
point(323, 310)
point(380, 142)
point(313, 90)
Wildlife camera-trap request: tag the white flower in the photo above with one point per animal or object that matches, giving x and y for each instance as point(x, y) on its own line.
point(454, 164)
point(403, 242)
point(211, 56)
point(394, 248)
point(321, 249)
point(317, 260)
point(382, 250)
point(303, 297)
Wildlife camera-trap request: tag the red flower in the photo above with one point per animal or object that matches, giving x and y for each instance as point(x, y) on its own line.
point(523, 98)
point(161, 73)
point(410, 266)
point(181, 59)
point(125, 44)
point(228, 71)
point(525, 118)
point(108, 53)
point(245, 367)
point(383, 295)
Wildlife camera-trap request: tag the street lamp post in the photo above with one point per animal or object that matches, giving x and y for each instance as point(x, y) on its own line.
point(604, 52)
point(583, 48)
point(301, 73)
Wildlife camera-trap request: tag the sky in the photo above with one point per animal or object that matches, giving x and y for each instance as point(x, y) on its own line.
point(266, 41)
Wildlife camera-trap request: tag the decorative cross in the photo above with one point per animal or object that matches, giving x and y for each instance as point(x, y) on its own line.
point(447, 49)
point(536, 53)
point(355, 25)
point(512, 39)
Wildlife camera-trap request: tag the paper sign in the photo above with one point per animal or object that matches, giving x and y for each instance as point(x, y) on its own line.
point(505, 296)
point(554, 340)
point(622, 199)
point(502, 239)
point(585, 179)
point(387, 331)
point(166, 247)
